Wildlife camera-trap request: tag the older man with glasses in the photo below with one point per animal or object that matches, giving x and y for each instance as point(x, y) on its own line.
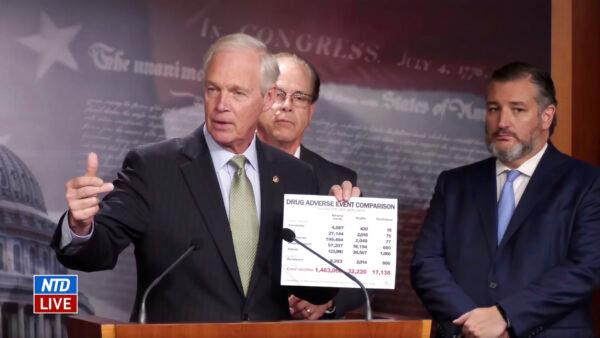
point(297, 90)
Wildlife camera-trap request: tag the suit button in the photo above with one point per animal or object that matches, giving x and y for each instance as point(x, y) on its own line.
point(493, 285)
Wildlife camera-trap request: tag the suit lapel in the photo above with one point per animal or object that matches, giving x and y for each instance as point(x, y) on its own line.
point(542, 183)
point(483, 190)
point(200, 176)
point(269, 228)
point(306, 155)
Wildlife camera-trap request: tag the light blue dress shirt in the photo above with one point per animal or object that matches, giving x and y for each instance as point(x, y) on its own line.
point(225, 171)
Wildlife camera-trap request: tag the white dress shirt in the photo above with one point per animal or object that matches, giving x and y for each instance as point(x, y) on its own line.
point(520, 183)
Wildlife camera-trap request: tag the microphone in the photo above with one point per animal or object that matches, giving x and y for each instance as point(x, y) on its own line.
point(289, 236)
point(195, 245)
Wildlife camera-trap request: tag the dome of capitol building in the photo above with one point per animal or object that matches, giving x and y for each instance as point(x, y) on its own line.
point(25, 233)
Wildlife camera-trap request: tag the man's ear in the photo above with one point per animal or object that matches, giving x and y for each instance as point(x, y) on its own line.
point(269, 98)
point(547, 116)
point(311, 110)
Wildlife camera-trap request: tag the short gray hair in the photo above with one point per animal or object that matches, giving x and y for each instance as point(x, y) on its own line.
point(269, 72)
point(315, 80)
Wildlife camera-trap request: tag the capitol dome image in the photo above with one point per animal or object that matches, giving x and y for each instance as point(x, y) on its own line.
point(25, 233)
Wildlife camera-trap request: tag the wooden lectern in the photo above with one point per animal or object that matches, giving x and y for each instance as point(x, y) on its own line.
point(96, 327)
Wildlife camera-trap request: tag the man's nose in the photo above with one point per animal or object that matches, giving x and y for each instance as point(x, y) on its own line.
point(504, 118)
point(286, 105)
point(223, 102)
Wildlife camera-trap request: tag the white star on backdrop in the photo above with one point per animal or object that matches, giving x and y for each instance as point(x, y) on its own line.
point(52, 44)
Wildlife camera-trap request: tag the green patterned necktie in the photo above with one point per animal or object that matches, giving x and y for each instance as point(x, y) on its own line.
point(243, 220)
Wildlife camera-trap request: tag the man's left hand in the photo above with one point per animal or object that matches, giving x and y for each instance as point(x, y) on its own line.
point(301, 309)
point(482, 323)
point(344, 192)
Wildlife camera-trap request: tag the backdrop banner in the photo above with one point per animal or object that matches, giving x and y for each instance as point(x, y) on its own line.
point(402, 100)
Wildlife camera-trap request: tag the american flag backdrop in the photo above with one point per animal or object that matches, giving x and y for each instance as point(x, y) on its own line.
point(402, 86)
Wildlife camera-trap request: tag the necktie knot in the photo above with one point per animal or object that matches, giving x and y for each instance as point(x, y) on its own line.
point(238, 162)
point(512, 175)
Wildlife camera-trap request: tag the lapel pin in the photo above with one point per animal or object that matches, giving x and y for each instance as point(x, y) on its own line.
point(275, 179)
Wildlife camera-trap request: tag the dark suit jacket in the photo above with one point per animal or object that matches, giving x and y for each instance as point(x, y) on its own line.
point(544, 270)
point(329, 174)
point(165, 195)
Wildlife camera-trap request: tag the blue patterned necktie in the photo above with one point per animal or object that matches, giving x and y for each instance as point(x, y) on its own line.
point(506, 204)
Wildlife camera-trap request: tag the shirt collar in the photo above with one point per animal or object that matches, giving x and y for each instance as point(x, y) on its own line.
point(297, 152)
point(221, 156)
point(527, 168)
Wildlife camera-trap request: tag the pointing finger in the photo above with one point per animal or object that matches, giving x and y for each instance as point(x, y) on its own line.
point(88, 191)
point(83, 181)
point(106, 187)
point(462, 319)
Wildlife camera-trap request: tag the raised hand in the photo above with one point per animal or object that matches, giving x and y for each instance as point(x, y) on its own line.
point(82, 197)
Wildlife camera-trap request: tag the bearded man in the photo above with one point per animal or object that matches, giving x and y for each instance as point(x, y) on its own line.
point(510, 245)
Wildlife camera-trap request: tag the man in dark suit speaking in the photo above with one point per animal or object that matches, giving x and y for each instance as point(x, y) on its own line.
point(511, 244)
point(283, 126)
point(220, 185)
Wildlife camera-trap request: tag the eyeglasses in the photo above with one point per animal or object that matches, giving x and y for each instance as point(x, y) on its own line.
point(297, 99)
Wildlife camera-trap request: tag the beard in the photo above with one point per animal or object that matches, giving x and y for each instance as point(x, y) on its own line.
point(517, 151)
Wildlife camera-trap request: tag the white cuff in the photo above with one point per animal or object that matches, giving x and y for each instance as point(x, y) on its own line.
point(68, 237)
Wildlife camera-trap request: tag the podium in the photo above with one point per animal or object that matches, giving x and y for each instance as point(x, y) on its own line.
point(96, 327)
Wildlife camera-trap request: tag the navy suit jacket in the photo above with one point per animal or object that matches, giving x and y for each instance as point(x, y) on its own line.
point(544, 270)
point(165, 195)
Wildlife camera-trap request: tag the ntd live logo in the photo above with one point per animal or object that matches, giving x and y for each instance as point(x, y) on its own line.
point(55, 294)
